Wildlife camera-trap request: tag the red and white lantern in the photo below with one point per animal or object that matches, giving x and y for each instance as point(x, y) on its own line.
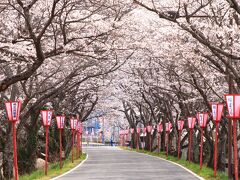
point(144, 130)
point(73, 123)
point(168, 126)
point(180, 124)
point(202, 119)
point(159, 128)
point(79, 130)
point(217, 109)
point(138, 130)
point(47, 117)
point(13, 110)
point(132, 130)
point(121, 132)
point(191, 122)
point(233, 106)
point(126, 131)
point(80, 127)
point(60, 121)
point(47, 121)
point(60, 124)
point(149, 129)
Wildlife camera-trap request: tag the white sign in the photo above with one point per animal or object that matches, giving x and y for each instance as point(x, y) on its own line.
point(230, 105)
point(49, 118)
point(179, 125)
point(214, 112)
point(167, 126)
point(201, 121)
point(14, 110)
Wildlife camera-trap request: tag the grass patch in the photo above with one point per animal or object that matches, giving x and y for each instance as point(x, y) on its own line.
point(206, 172)
point(54, 169)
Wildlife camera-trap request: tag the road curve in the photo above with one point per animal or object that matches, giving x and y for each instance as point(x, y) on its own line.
point(110, 163)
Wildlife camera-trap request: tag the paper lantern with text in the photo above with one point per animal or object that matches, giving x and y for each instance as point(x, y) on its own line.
point(132, 130)
point(138, 130)
point(149, 129)
point(159, 127)
point(60, 122)
point(180, 124)
point(13, 110)
point(202, 119)
point(217, 109)
point(233, 105)
point(47, 117)
point(168, 126)
point(80, 127)
point(73, 123)
point(191, 122)
point(144, 130)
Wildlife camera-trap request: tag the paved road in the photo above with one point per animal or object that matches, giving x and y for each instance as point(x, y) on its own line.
point(110, 163)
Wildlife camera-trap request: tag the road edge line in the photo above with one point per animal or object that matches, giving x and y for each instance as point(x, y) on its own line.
point(201, 178)
point(70, 169)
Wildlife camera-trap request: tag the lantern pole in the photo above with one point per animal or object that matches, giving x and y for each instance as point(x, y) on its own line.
point(60, 146)
point(235, 149)
point(167, 144)
point(230, 149)
point(123, 140)
point(150, 142)
point(81, 144)
point(201, 148)
point(120, 140)
point(131, 141)
point(179, 139)
point(144, 141)
point(72, 145)
point(135, 139)
point(158, 143)
point(137, 142)
point(190, 145)
point(77, 149)
point(126, 139)
point(15, 150)
point(215, 151)
point(46, 151)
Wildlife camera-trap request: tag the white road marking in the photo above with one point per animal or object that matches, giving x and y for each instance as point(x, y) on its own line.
point(70, 170)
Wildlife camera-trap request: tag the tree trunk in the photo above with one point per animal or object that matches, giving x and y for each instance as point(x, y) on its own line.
point(8, 154)
point(27, 146)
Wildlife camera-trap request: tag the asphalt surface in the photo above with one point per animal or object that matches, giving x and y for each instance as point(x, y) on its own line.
point(112, 163)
